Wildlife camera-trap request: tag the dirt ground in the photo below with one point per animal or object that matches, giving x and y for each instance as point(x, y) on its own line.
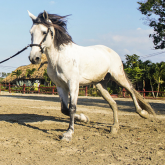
point(31, 127)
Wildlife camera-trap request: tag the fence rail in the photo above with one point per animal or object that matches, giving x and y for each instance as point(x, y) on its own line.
point(143, 92)
point(53, 90)
point(50, 90)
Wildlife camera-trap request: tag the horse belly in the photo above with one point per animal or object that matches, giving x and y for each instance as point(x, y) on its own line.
point(93, 69)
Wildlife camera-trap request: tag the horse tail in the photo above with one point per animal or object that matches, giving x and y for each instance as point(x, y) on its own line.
point(143, 104)
point(141, 101)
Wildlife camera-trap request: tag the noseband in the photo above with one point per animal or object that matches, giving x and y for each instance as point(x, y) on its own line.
point(39, 45)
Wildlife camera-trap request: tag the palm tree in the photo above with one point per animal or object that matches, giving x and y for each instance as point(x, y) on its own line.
point(158, 75)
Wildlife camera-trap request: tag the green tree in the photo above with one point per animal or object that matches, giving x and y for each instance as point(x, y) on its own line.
point(150, 70)
point(145, 66)
point(30, 72)
point(132, 68)
point(158, 75)
point(131, 60)
point(154, 10)
point(150, 74)
point(155, 74)
point(135, 74)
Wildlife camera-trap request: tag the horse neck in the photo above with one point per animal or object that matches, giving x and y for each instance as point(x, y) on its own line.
point(52, 55)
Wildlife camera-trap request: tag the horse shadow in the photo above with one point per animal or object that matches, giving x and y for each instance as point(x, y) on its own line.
point(28, 119)
point(85, 101)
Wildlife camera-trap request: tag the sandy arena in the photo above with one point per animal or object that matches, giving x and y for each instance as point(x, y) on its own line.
point(31, 127)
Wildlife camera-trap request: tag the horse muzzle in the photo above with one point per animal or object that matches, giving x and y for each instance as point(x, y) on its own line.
point(35, 60)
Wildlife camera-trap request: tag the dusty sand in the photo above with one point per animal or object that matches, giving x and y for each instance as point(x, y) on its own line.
point(31, 127)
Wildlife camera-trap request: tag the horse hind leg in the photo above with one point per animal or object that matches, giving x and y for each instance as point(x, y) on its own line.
point(102, 87)
point(142, 107)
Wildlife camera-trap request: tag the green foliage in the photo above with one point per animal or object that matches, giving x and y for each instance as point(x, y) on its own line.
point(109, 90)
point(46, 77)
point(19, 83)
point(93, 92)
point(154, 10)
point(17, 73)
point(120, 92)
point(3, 88)
point(158, 75)
point(28, 83)
point(131, 60)
point(148, 73)
point(29, 89)
point(1, 79)
point(132, 68)
point(30, 72)
point(17, 89)
point(135, 74)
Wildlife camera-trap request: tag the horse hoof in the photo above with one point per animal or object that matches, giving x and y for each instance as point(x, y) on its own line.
point(114, 129)
point(84, 118)
point(67, 136)
point(144, 114)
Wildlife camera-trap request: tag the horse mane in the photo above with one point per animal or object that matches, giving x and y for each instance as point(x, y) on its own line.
point(59, 23)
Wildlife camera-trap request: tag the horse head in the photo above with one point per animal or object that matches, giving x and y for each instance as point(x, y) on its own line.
point(42, 35)
point(48, 30)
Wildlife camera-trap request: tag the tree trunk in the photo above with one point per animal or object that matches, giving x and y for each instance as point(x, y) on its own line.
point(152, 89)
point(158, 90)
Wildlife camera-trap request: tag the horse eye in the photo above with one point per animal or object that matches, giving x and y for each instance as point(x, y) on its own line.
point(43, 33)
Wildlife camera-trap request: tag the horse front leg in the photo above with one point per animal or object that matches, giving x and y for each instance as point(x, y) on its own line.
point(63, 93)
point(74, 89)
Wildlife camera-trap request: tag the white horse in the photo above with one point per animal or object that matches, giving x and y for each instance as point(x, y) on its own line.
point(70, 65)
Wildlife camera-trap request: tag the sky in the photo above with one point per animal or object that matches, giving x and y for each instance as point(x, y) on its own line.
point(117, 24)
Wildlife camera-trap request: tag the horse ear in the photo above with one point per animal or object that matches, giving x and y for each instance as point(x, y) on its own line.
point(32, 16)
point(45, 15)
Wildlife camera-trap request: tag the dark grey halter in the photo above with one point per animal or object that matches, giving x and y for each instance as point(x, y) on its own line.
point(30, 45)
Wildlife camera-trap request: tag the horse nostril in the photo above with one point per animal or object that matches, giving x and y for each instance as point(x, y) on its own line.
point(37, 58)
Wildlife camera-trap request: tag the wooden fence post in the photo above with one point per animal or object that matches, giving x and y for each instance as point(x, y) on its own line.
point(144, 93)
point(124, 92)
point(53, 89)
point(23, 88)
point(39, 89)
point(86, 91)
point(9, 88)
